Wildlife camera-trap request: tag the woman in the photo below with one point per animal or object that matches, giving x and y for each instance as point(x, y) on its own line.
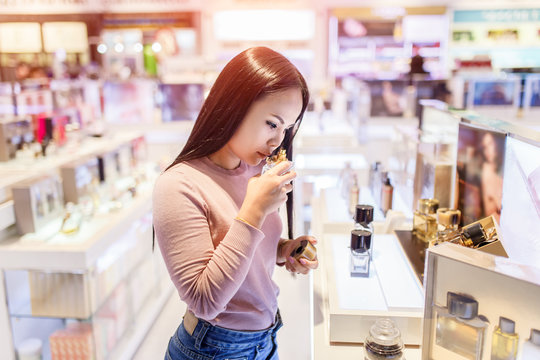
point(216, 219)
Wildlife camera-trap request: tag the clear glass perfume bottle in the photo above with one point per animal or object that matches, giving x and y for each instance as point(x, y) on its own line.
point(354, 195)
point(531, 348)
point(360, 253)
point(504, 343)
point(424, 219)
point(363, 220)
point(384, 341)
point(459, 328)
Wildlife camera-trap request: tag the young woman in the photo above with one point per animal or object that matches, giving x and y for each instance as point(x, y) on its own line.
point(216, 218)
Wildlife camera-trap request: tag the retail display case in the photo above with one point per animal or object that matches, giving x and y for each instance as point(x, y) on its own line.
point(15, 134)
point(490, 315)
point(531, 96)
point(97, 287)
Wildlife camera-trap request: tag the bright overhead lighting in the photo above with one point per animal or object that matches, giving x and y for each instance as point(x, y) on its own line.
point(102, 48)
point(156, 47)
point(118, 47)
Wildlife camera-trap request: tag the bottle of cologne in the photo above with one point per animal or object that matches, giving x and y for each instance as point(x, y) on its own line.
point(531, 348)
point(459, 328)
point(384, 341)
point(387, 195)
point(72, 220)
point(424, 219)
point(504, 343)
point(448, 220)
point(354, 195)
point(363, 220)
point(473, 236)
point(360, 253)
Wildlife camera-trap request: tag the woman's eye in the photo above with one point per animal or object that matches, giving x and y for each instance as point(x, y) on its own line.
point(271, 124)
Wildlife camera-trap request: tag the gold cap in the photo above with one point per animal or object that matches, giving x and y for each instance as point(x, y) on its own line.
point(428, 206)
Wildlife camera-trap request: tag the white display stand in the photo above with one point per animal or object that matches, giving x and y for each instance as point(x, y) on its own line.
point(391, 290)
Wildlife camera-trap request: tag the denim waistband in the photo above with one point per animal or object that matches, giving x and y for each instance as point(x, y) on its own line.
point(210, 333)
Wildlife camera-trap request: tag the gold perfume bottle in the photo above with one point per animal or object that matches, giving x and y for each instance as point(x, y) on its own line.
point(424, 220)
point(474, 235)
point(504, 343)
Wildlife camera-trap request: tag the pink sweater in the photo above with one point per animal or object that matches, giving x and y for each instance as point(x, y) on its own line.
point(221, 267)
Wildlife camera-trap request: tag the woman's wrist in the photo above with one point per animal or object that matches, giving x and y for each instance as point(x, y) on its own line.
point(252, 218)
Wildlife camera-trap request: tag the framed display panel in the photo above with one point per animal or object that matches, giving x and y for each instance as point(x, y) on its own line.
point(531, 96)
point(479, 172)
point(495, 97)
point(520, 216)
point(180, 101)
point(499, 286)
point(436, 157)
point(70, 36)
point(388, 97)
point(20, 37)
point(7, 99)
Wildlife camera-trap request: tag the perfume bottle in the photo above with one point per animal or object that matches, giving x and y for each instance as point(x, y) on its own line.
point(531, 348)
point(346, 180)
point(473, 236)
point(354, 194)
point(387, 195)
point(424, 219)
point(504, 343)
point(448, 220)
point(384, 341)
point(72, 220)
point(360, 253)
point(363, 217)
point(459, 328)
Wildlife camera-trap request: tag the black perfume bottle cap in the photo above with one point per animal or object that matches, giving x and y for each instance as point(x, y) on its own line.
point(507, 326)
point(475, 233)
point(360, 240)
point(461, 306)
point(363, 214)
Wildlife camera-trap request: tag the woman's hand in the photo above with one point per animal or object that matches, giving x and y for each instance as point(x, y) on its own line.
point(266, 193)
point(301, 266)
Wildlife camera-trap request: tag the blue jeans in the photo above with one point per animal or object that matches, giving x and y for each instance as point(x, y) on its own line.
point(217, 343)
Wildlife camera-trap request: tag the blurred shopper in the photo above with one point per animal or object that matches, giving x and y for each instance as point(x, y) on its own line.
point(216, 219)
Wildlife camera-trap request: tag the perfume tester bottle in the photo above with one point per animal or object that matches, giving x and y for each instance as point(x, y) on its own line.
point(459, 328)
point(360, 253)
point(424, 219)
point(504, 343)
point(384, 341)
point(531, 348)
point(473, 236)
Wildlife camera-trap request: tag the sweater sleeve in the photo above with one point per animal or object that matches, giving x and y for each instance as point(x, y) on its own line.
point(206, 278)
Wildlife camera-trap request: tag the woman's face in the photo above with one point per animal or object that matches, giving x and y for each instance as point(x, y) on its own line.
point(263, 128)
point(489, 148)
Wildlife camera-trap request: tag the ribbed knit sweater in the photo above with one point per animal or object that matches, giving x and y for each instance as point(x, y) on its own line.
point(221, 267)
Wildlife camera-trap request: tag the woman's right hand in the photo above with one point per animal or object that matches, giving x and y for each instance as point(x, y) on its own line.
point(266, 193)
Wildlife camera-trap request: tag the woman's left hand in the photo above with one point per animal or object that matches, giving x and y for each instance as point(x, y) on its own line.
point(303, 265)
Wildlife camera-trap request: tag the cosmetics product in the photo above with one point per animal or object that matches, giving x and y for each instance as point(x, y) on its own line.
point(78, 178)
point(384, 341)
point(474, 235)
point(360, 253)
point(15, 134)
point(373, 175)
point(448, 218)
point(346, 179)
point(424, 219)
point(504, 343)
point(531, 348)
point(354, 195)
point(71, 222)
point(305, 250)
point(273, 160)
point(387, 195)
point(459, 329)
point(363, 217)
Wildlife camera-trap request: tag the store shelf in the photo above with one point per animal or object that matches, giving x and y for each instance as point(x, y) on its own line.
point(59, 252)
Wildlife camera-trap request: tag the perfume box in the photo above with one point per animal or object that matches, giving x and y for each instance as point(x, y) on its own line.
point(79, 178)
point(353, 304)
point(493, 287)
point(37, 202)
point(14, 133)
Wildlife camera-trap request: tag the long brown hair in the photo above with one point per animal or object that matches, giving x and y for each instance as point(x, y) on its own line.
point(250, 75)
